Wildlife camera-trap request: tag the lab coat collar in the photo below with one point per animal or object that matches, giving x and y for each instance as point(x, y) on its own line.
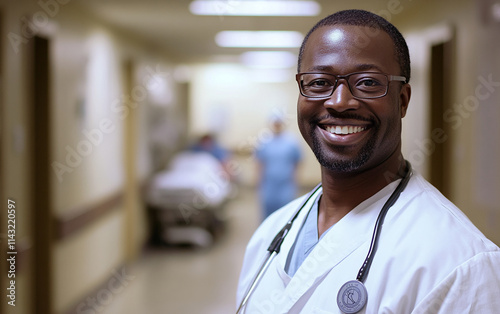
point(353, 230)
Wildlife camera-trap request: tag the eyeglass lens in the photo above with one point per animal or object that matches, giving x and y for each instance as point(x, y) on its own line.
point(362, 85)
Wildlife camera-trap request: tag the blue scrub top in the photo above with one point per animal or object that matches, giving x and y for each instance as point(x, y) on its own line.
point(279, 158)
point(306, 240)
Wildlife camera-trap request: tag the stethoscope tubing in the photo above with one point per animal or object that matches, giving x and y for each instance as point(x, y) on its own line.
point(270, 257)
point(363, 271)
point(274, 249)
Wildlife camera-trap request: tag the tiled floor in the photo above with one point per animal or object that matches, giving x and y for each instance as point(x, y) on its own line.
point(190, 280)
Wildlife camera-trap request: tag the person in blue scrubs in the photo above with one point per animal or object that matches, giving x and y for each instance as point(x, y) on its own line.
point(278, 159)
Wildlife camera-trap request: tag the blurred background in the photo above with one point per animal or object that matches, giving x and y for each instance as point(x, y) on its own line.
point(103, 102)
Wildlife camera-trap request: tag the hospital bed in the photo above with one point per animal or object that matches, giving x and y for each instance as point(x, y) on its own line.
point(187, 200)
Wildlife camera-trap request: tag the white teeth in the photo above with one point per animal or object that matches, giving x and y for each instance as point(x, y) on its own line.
point(344, 129)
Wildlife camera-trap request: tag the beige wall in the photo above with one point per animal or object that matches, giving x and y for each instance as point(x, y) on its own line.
point(484, 177)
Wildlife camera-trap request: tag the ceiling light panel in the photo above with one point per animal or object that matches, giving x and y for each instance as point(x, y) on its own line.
point(255, 8)
point(259, 39)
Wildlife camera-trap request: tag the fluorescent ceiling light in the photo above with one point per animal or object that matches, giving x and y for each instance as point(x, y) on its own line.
point(255, 8)
point(259, 39)
point(269, 59)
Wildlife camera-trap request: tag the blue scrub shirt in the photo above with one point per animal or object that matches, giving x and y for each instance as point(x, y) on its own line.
point(279, 158)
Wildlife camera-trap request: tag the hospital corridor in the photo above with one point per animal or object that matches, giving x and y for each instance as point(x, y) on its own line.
point(143, 142)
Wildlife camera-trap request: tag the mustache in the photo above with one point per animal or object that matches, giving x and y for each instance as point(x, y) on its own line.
point(341, 115)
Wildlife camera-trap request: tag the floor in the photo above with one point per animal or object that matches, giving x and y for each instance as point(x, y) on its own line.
point(189, 280)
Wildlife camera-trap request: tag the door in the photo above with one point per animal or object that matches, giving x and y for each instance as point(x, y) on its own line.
point(441, 82)
point(41, 185)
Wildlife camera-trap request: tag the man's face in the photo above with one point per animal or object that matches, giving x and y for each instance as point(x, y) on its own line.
point(374, 125)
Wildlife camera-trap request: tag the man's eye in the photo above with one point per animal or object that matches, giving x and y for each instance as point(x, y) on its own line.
point(368, 82)
point(320, 83)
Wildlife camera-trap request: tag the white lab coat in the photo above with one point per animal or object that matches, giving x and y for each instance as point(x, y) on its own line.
point(430, 259)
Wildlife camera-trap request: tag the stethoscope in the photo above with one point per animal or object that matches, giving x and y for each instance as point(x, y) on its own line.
point(352, 296)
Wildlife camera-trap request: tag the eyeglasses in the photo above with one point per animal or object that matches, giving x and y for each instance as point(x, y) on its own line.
point(364, 85)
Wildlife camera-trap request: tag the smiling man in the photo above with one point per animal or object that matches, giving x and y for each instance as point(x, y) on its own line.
point(374, 237)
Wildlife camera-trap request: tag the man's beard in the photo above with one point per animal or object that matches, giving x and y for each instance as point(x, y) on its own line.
point(341, 165)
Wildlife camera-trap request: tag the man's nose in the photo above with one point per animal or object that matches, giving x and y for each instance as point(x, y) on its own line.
point(342, 98)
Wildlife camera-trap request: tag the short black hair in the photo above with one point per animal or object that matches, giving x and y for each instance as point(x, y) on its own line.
point(365, 18)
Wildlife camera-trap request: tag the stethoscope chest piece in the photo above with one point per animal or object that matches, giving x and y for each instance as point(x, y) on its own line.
point(352, 297)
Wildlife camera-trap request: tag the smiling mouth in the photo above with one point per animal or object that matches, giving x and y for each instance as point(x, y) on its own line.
point(344, 129)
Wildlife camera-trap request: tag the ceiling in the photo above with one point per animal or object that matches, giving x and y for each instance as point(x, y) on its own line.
point(169, 26)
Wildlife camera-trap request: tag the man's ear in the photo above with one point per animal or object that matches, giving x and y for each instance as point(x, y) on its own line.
point(404, 98)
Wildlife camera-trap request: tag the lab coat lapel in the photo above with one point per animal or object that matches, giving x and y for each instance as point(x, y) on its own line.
point(346, 236)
